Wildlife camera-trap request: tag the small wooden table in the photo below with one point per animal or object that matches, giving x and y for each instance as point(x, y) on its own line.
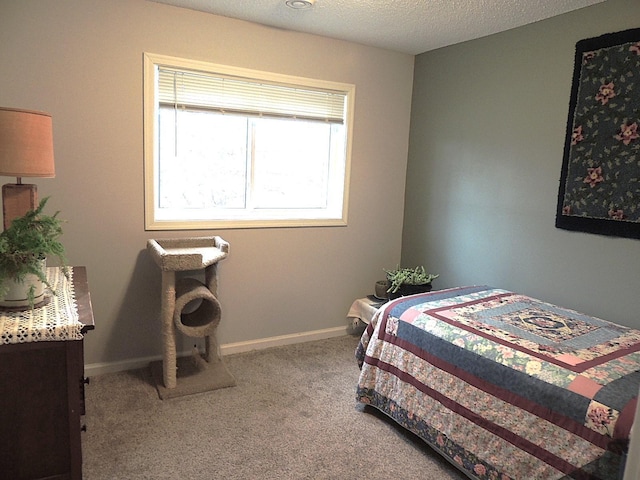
point(42, 400)
point(363, 309)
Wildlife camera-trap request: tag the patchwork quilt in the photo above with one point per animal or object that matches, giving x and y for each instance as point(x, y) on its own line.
point(503, 385)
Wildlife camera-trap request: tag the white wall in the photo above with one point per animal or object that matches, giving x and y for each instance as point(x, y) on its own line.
point(81, 61)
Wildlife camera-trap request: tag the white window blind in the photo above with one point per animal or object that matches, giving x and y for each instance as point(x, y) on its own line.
point(227, 94)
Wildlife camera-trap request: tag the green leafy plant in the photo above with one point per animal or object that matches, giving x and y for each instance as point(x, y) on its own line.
point(408, 276)
point(28, 241)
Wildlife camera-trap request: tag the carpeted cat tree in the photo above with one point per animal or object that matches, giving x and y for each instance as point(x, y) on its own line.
point(192, 308)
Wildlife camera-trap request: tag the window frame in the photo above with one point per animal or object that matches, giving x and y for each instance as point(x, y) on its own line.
point(151, 64)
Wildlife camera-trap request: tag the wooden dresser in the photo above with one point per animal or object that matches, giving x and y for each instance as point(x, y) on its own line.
point(42, 401)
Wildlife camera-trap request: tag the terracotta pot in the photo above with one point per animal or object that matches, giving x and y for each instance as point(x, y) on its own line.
point(381, 289)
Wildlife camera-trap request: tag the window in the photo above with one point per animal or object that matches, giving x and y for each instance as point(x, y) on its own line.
point(233, 148)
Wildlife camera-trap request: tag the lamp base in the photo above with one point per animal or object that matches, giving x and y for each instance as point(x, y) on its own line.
point(17, 199)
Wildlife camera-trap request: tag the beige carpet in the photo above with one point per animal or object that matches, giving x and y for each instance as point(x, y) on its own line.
point(292, 415)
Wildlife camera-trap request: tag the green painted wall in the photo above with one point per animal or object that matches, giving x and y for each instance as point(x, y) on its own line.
point(486, 145)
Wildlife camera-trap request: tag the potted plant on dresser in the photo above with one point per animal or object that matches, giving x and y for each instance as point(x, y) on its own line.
point(408, 281)
point(24, 248)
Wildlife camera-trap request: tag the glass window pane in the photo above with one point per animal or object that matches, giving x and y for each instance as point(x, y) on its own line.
point(291, 163)
point(202, 160)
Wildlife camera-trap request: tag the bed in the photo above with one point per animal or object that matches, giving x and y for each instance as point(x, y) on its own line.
point(504, 386)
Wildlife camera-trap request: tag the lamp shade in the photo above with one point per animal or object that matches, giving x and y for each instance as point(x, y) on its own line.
point(26, 143)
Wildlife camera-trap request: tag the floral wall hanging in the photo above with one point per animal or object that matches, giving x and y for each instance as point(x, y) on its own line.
point(600, 179)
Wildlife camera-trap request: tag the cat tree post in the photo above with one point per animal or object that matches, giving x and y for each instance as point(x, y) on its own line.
point(192, 308)
point(167, 305)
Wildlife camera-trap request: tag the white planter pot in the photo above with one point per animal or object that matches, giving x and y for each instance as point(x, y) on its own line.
point(18, 293)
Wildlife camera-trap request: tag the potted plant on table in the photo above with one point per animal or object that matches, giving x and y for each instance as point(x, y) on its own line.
point(24, 248)
point(408, 281)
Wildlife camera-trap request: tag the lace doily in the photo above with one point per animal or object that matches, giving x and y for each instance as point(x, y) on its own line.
point(55, 321)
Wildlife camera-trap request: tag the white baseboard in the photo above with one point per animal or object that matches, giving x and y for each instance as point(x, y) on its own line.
point(101, 368)
point(260, 344)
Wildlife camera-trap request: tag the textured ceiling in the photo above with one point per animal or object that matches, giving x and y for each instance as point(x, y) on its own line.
point(402, 25)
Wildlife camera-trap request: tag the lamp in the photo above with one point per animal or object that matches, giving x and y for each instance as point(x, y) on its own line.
point(26, 150)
